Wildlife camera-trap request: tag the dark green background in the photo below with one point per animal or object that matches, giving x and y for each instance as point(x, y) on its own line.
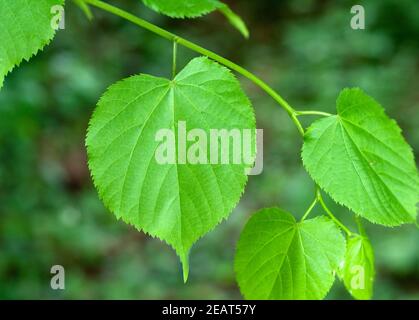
point(50, 213)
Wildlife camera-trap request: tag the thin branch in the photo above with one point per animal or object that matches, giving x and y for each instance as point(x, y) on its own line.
point(310, 208)
point(174, 59)
point(313, 113)
point(361, 228)
point(331, 215)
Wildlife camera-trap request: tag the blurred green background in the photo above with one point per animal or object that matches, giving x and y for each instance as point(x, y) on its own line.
point(50, 213)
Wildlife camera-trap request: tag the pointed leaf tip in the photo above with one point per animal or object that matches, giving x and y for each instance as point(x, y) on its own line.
point(185, 266)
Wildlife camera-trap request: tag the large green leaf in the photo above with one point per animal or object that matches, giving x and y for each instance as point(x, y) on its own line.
point(25, 28)
point(278, 258)
point(361, 159)
point(175, 202)
point(196, 8)
point(358, 269)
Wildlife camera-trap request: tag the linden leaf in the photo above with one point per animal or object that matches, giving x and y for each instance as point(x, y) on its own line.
point(25, 28)
point(177, 201)
point(279, 258)
point(361, 159)
point(358, 270)
point(197, 8)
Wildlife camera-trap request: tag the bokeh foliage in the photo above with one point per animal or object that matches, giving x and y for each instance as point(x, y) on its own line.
point(50, 213)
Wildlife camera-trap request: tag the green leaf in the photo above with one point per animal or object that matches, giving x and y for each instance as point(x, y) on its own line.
point(196, 8)
point(278, 258)
point(178, 203)
point(358, 270)
point(25, 28)
point(361, 159)
point(183, 8)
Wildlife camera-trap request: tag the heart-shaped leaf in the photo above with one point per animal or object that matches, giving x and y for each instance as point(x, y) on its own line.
point(176, 201)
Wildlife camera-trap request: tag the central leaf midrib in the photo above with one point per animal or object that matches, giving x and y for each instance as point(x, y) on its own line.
point(284, 255)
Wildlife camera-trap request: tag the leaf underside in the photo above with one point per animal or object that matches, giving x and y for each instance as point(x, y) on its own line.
point(25, 28)
point(361, 159)
point(278, 258)
point(183, 8)
point(178, 203)
point(196, 8)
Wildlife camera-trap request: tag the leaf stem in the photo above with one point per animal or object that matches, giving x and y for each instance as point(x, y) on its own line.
point(85, 8)
point(331, 215)
point(194, 47)
point(310, 208)
point(312, 112)
point(174, 59)
point(361, 228)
